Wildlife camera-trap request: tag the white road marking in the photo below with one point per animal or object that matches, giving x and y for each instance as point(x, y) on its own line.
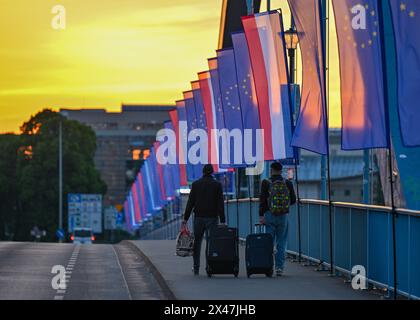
point(67, 276)
point(122, 272)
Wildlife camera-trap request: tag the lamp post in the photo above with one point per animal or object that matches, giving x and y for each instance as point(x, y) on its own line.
point(292, 40)
point(60, 177)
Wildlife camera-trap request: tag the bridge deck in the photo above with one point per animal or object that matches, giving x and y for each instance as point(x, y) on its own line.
point(299, 282)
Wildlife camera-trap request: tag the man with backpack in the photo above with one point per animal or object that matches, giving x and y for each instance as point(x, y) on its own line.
point(276, 196)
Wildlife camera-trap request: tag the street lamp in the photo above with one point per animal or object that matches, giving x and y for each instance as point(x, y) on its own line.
point(291, 38)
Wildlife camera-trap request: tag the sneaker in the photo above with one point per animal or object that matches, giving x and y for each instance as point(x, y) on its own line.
point(279, 272)
point(195, 271)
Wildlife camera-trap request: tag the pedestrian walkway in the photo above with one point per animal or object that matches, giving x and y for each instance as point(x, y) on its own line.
point(299, 282)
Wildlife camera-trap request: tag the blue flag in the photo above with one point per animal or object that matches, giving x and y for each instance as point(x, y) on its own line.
point(195, 172)
point(231, 107)
point(201, 121)
point(311, 130)
point(217, 96)
point(147, 189)
point(247, 93)
point(364, 120)
point(406, 21)
point(174, 168)
point(159, 196)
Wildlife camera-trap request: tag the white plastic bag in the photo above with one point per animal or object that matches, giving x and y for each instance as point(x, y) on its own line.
point(184, 242)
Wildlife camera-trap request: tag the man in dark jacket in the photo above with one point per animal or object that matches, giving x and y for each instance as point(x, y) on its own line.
point(277, 194)
point(206, 200)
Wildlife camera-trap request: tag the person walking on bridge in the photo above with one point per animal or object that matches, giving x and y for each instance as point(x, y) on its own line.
point(276, 196)
point(206, 200)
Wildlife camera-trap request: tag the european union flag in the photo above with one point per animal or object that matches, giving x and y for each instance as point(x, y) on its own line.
point(217, 96)
point(246, 88)
point(231, 105)
point(174, 168)
point(147, 188)
point(195, 172)
point(362, 89)
point(201, 121)
point(406, 21)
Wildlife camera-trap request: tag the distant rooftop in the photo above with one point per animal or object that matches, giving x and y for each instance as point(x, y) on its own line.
point(124, 108)
point(141, 107)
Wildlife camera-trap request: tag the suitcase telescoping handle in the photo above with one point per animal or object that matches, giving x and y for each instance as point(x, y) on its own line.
point(259, 228)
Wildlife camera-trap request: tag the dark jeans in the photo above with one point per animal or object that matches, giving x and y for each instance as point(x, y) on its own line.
point(201, 226)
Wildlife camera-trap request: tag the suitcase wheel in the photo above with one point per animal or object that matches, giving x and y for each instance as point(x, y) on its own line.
point(236, 272)
point(208, 270)
point(269, 274)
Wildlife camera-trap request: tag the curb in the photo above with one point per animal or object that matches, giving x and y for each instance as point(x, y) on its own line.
point(156, 273)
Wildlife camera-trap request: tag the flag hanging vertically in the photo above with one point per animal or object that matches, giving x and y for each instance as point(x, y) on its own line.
point(127, 215)
point(176, 116)
point(174, 169)
point(131, 210)
point(311, 130)
point(247, 95)
point(158, 176)
point(142, 195)
point(160, 168)
point(195, 172)
point(265, 37)
point(231, 109)
point(364, 121)
point(201, 120)
point(211, 121)
point(147, 189)
point(219, 116)
point(406, 21)
point(136, 201)
point(150, 186)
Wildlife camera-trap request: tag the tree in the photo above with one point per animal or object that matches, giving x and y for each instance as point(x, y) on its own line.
point(36, 171)
point(9, 145)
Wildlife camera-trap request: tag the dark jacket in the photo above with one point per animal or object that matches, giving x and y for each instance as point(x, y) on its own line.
point(264, 195)
point(206, 199)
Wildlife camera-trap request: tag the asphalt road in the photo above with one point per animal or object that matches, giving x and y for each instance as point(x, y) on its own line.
point(91, 272)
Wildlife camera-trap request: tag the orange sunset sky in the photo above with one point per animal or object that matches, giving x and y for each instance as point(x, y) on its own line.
point(112, 51)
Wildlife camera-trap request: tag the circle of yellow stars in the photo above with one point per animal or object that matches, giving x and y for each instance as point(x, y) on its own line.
point(374, 34)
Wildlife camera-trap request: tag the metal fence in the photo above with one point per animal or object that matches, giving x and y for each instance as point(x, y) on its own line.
point(362, 235)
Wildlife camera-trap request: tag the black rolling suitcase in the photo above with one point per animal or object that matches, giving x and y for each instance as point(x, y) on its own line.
point(259, 253)
point(222, 251)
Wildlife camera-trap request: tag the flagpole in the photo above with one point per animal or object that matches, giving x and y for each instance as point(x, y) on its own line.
point(250, 7)
point(325, 34)
point(226, 200)
point(60, 177)
point(292, 67)
point(237, 197)
point(389, 138)
point(250, 204)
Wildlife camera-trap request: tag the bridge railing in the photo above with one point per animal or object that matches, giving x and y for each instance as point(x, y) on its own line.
point(362, 236)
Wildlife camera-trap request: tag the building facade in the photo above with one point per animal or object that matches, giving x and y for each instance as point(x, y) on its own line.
point(123, 139)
